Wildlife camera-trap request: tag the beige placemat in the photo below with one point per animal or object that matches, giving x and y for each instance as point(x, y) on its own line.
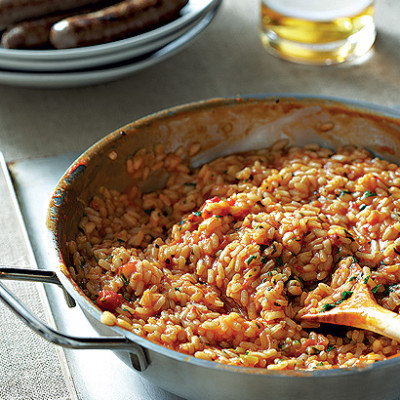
point(30, 367)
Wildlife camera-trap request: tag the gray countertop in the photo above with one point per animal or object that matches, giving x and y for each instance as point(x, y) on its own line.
point(226, 59)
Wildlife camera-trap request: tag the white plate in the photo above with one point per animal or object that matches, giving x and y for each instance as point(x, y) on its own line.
point(192, 11)
point(100, 60)
point(101, 75)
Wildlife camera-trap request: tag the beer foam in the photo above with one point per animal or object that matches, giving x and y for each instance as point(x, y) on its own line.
point(318, 10)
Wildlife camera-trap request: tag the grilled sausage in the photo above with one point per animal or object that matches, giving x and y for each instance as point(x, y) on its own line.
point(35, 33)
point(29, 34)
point(12, 11)
point(122, 20)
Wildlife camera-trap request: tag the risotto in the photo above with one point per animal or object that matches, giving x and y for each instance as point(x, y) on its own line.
point(218, 263)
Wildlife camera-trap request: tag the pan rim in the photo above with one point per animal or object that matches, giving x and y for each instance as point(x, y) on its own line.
point(363, 107)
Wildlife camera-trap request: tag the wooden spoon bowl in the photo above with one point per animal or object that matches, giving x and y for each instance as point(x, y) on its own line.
point(353, 304)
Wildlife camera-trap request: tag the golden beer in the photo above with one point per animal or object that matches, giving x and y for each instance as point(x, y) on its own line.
point(317, 31)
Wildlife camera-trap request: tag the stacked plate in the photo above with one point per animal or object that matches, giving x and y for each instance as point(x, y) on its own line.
point(105, 62)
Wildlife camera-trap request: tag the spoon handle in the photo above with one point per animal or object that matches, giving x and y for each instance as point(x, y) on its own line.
point(383, 321)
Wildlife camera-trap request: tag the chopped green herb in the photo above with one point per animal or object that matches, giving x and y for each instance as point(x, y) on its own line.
point(366, 279)
point(149, 211)
point(276, 304)
point(352, 278)
point(264, 280)
point(363, 207)
point(190, 184)
point(330, 348)
point(197, 213)
point(316, 351)
point(124, 309)
point(345, 295)
point(367, 194)
point(375, 289)
point(349, 235)
point(264, 260)
point(263, 247)
point(124, 279)
point(168, 261)
point(321, 364)
point(274, 247)
point(157, 246)
point(177, 289)
point(120, 240)
point(126, 297)
point(343, 192)
point(279, 261)
point(250, 259)
point(182, 222)
point(109, 257)
point(328, 306)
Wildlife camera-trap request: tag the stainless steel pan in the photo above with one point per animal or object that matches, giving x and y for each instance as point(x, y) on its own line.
point(222, 126)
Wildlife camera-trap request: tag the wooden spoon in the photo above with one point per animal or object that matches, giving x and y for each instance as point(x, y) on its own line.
point(353, 304)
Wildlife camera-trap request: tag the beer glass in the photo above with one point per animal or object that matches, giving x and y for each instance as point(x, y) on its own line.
point(318, 31)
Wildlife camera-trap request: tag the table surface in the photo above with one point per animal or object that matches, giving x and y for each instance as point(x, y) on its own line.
point(226, 59)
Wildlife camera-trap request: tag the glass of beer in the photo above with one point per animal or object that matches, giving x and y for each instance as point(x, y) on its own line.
point(321, 32)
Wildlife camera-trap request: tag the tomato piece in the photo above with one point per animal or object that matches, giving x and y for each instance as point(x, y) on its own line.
point(128, 269)
point(109, 300)
point(214, 199)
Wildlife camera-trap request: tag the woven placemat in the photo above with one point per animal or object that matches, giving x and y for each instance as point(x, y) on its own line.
point(30, 367)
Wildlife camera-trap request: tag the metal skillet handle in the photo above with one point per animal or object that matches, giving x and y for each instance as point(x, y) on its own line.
point(35, 275)
point(137, 353)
